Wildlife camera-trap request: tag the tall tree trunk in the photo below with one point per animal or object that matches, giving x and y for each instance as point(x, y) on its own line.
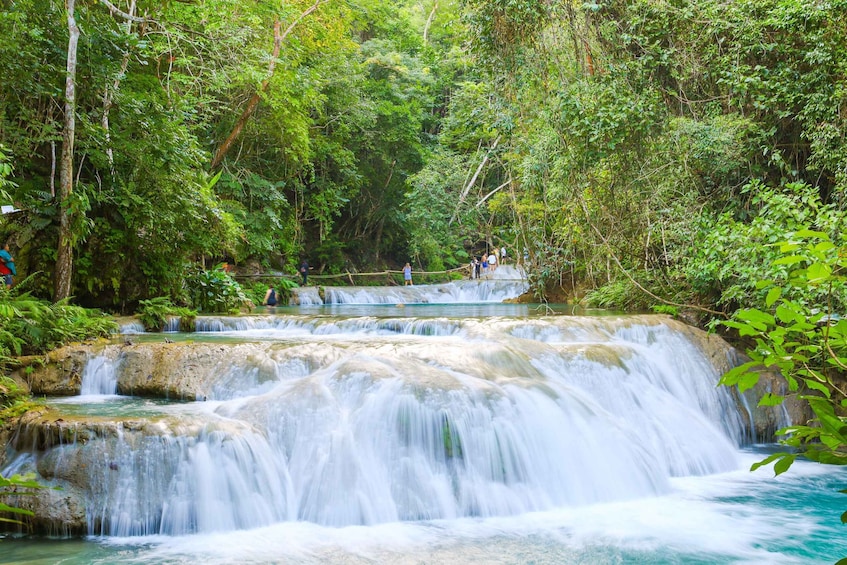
point(64, 255)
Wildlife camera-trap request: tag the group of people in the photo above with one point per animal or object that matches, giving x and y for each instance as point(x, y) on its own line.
point(486, 263)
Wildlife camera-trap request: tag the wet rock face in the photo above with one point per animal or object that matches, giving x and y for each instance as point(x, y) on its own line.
point(765, 420)
point(158, 370)
point(59, 374)
point(57, 513)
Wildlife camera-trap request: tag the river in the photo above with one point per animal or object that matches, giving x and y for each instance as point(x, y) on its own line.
point(393, 429)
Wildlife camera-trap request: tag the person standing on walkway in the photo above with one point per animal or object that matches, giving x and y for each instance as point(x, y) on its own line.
point(304, 271)
point(407, 275)
point(8, 265)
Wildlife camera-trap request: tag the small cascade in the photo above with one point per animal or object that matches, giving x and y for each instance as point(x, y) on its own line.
point(134, 327)
point(505, 283)
point(306, 296)
point(172, 324)
point(100, 376)
point(290, 326)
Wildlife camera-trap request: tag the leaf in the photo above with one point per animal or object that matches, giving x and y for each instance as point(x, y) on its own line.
point(743, 329)
point(748, 381)
point(815, 385)
point(789, 260)
point(807, 233)
point(784, 464)
point(818, 273)
point(755, 317)
point(13, 510)
point(732, 376)
point(824, 246)
point(786, 314)
point(771, 399)
point(767, 461)
point(773, 296)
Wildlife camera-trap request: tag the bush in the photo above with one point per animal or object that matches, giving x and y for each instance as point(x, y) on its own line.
point(31, 326)
point(154, 314)
point(216, 291)
point(801, 331)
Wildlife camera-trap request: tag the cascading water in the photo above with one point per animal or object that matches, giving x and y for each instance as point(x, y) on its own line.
point(99, 377)
point(505, 283)
point(461, 435)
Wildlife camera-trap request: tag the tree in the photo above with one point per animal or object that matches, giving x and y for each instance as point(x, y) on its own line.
point(64, 256)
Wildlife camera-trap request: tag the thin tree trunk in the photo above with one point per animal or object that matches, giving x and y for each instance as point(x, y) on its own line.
point(254, 100)
point(467, 188)
point(109, 93)
point(429, 20)
point(64, 255)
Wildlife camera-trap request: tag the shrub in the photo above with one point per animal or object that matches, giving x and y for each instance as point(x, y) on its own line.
point(154, 314)
point(216, 291)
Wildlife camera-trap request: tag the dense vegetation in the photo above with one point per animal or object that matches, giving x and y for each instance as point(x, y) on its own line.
point(636, 149)
point(646, 153)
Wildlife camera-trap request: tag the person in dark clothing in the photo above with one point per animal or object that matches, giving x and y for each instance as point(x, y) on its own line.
point(270, 297)
point(304, 271)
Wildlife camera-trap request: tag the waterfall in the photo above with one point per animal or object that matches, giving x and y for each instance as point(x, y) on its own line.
point(505, 283)
point(362, 421)
point(99, 376)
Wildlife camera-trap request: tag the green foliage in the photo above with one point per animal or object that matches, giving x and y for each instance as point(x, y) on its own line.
point(665, 309)
point(30, 326)
point(14, 400)
point(6, 169)
point(17, 485)
point(216, 291)
point(154, 314)
point(734, 254)
point(801, 332)
point(623, 294)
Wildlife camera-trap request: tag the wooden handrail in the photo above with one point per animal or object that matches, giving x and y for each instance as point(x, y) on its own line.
point(348, 274)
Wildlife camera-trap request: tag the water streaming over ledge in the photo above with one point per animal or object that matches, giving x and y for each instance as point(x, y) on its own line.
point(505, 283)
point(340, 422)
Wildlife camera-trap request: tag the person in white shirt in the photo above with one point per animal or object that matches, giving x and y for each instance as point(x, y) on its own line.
point(492, 262)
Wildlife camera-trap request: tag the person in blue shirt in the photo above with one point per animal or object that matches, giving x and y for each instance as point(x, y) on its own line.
point(9, 264)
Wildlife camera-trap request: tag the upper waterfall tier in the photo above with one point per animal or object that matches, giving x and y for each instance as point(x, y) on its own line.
point(505, 283)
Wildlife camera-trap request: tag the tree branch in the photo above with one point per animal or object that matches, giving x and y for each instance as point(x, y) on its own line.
point(254, 100)
point(115, 11)
point(429, 20)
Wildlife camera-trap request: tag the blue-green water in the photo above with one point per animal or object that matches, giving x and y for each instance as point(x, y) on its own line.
point(729, 517)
